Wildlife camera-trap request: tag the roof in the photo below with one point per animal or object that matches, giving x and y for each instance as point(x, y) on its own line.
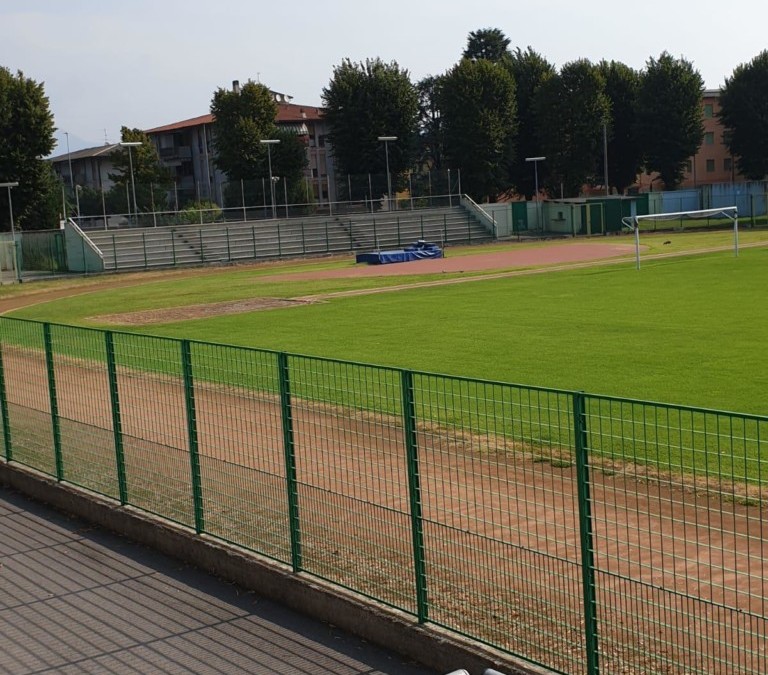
point(286, 113)
point(87, 153)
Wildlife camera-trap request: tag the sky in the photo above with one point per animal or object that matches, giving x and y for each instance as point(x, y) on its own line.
point(105, 64)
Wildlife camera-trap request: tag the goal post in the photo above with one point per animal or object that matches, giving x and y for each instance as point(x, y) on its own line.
point(729, 212)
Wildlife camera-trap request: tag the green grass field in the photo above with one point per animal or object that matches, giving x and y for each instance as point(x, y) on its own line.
point(686, 330)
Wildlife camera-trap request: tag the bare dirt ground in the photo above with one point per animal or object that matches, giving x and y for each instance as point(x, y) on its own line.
point(681, 574)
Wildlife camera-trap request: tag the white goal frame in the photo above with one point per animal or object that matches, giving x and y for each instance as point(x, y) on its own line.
point(730, 212)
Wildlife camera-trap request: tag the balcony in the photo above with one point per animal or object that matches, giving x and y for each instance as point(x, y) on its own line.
point(176, 153)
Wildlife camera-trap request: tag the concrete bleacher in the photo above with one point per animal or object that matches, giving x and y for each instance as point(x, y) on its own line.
point(169, 246)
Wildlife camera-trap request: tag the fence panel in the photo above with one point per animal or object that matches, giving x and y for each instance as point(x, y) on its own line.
point(501, 527)
point(84, 409)
point(352, 477)
point(28, 399)
point(154, 426)
point(680, 549)
point(240, 447)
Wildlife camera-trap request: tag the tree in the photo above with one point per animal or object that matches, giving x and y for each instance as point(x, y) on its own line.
point(364, 101)
point(487, 43)
point(430, 150)
point(624, 154)
point(744, 114)
point(26, 136)
point(529, 70)
point(669, 116)
point(571, 108)
point(477, 100)
point(242, 119)
point(150, 177)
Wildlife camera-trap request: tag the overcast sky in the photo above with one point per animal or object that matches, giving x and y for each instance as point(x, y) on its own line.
point(146, 63)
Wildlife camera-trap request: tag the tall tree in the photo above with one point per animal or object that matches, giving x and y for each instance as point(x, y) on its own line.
point(487, 43)
point(364, 101)
point(744, 114)
point(571, 108)
point(430, 147)
point(149, 175)
point(242, 119)
point(669, 116)
point(529, 70)
point(477, 100)
point(26, 136)
point(622, 84)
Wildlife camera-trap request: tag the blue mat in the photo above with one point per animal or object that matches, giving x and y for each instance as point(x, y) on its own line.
point(417, 251)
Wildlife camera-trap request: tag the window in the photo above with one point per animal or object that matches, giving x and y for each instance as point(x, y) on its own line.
point(321, 140)
point(708, 110)
point(710, 165)
point(709, 138)
point(727, 164)
point(689, 166)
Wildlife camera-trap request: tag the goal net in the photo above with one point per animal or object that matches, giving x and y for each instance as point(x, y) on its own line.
point(725, 216)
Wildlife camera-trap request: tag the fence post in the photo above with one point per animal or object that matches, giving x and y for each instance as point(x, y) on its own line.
point(585, 530)
point(114, 250)
point(229, 248)
point(4, 412)
point(194, 457)
point(202, 251)
point(414, 491)
point(327, 241)
point(173, 246)
point(144, 247)
point(286, 413)
point(54, 402)
point(117, 425)
point(279, 241)
point(303, 240)
point(399, 239)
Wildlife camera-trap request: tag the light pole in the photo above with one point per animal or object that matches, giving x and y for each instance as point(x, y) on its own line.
point(269, 142)
point(72, 179)
point(129, 145)
point(386, 140)
point(536, 161)
point(10, 185)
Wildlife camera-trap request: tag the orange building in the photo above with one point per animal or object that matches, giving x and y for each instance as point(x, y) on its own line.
point(713, 163)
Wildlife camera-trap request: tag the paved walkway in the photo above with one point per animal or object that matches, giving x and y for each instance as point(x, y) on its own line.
point(75, 599)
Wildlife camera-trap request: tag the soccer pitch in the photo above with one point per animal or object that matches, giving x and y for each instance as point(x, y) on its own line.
point(686, 330)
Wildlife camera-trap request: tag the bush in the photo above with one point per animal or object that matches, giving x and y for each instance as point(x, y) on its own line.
point(211, 213)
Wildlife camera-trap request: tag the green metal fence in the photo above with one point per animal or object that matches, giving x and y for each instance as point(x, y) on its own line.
point(582, 533)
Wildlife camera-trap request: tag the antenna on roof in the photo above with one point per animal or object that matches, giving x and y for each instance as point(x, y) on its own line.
point(106, 140)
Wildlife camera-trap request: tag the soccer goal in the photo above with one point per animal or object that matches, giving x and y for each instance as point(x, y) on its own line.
point(724, 214)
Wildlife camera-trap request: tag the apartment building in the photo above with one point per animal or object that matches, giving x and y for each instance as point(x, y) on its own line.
point(713, 163)
point(87, 168)
point(187, 148)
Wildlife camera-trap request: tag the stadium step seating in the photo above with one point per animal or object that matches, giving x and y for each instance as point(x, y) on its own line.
point(169, 246)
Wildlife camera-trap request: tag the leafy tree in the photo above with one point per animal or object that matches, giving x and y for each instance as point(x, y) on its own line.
point(364, 101)
point(477, 100)
point(744, 114)
point(571, 108)
point(151, 178)
point(430, 152)
point(529, 70)
point(669, 116)
point(26, 136)
point(487, 43)
point(624, 154)
point(242, 119)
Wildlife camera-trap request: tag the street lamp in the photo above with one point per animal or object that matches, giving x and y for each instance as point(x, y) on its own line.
point(536, 161)
point(72, 179)
point(269, 142)
point(10, 185)
point(386, 140)
point(129, 145)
